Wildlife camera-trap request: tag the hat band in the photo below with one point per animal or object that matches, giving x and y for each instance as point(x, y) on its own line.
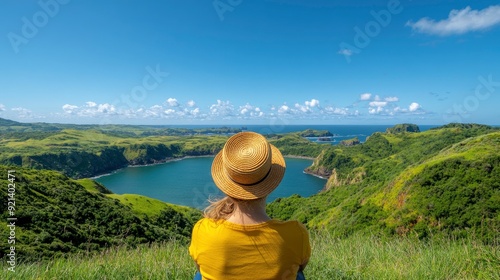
point(250, 184)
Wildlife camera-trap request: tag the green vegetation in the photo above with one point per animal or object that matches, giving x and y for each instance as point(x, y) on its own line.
point(354, 257)
point(13, 128)
point(405, 127)
point(404, 204)
point(439, 182)
point(87, 150)
point(87, 153)
point(57, 215)
point(315, 133)
point(350, 142)
point(295, 145)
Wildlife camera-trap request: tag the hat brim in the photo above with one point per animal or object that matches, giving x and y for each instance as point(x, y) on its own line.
point(248, 192)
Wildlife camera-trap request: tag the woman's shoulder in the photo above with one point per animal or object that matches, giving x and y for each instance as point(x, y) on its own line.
point(206, 221)
point(289, 224)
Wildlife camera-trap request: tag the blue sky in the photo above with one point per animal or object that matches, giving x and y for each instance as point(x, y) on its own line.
point(250, 62)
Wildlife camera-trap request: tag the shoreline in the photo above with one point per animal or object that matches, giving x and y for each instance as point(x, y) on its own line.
point(299, 157)
point(315, 175)
point(188, 157)
point(147, 164)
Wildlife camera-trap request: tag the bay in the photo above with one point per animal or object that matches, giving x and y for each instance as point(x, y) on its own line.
point(189, 182)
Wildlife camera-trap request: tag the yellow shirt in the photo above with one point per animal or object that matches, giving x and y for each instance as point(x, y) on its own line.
point(270, 250)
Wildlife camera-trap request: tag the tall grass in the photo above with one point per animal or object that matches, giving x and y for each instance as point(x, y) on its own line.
point(355, 257)
point(369, 257)
point(168, 260)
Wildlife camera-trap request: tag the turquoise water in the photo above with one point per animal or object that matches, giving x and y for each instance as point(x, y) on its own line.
point(189, 182)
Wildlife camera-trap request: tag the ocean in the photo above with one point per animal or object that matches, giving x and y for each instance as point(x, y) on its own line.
point(340, 132)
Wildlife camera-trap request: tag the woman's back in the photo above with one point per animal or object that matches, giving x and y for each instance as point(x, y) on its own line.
point(237, 239)
point(269, 250)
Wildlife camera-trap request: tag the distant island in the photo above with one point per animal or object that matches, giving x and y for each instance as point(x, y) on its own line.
point(315, 133)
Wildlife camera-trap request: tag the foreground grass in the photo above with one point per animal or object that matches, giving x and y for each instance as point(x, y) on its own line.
point(355, 257)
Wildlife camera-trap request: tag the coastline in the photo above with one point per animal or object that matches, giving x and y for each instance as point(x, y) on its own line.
point(167, 160)
point(315, 175)
point(299, 157)
point(305, 170)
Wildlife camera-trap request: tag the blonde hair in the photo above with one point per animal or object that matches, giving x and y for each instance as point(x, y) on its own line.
point(220, 209)
point(223, 208)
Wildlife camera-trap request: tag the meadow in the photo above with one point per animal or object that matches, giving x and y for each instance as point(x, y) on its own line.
point(354, 257)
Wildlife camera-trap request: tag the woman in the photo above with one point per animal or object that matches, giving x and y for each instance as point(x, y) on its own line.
point(236, 239)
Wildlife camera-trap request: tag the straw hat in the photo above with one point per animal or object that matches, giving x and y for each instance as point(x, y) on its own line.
point(248, 167)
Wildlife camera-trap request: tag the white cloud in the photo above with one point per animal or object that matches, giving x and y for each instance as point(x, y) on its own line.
point(106, 108)
point(414, 107)
point(375, 110)
point(459, 21)
point(378, 104)
point(195, 112)
point(365, 96)
point(391, 99)
point(154, 111)
point(2, 107)
point(156, 108)
point(336, 111)
point(222, 108)
point(69, 109)
point(23, 113)
point(345, 52)
point(92, 109)
point(307, 108)
point(303, 109)
point(284, 109)
point(172, 102)
point(313, 103)
point(245, 109)
point(169, 111)
point(248, 110)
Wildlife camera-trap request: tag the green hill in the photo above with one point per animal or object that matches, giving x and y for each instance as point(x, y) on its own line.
point(57, 215)
point(86, 153)
point(81, 152)
point(445, 180)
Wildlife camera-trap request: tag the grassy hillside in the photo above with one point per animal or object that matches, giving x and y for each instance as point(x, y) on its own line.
point(88, 151)
point(354, 257)
point(442, 181)
point(404, 204)
point(58, 215)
